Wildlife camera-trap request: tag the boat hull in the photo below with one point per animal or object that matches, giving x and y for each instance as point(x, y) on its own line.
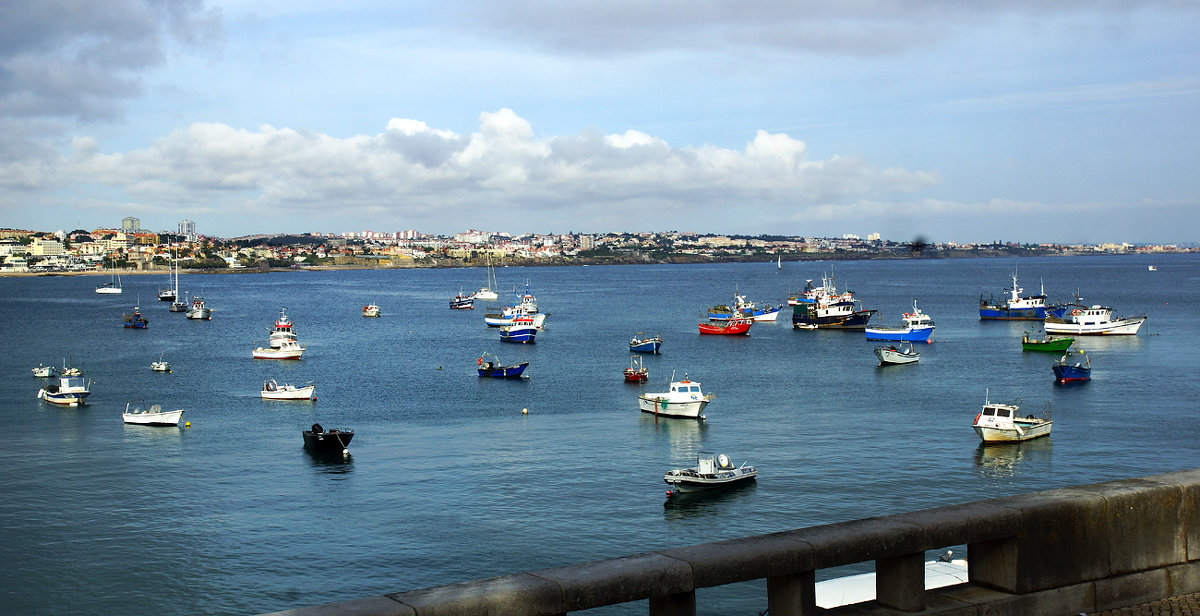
point(1117, 327)
point(686, 480)
point(297, 393)
point(1002, 313)
point(261, 353)
point(725, 328)
point(202, 314)
point(691, 409)
point(893, 357)
point(645, 346)
point(169, 418)
point(524, 335)
point(504, 372)
point(636, 376)
point(899, 334)
point(1071, 373)
point(1057, 345)
point(1012, 435)
point(804, 318)
point(64, 399)
point(332, 441)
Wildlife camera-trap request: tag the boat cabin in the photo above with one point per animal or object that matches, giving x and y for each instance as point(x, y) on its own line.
point(1002, 411)
point(708, 463)
point(686, 387)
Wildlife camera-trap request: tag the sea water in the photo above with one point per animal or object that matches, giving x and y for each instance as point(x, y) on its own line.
point(452, 477)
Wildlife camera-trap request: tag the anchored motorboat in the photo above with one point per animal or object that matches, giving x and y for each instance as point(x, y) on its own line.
point(711, 471)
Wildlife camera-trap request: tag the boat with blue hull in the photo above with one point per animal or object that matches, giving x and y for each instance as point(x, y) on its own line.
point(1073, 368)
point(135, 320)
point(522, 329)
point(489, 366)
point(743, 309)
point(1015, 308)
point(640, 343)
point(917, 327)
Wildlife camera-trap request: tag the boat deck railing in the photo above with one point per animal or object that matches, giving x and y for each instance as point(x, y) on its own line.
point(1068, 550)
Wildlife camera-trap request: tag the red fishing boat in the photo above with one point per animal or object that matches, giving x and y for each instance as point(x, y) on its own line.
point(636, 373)
point(726, 328)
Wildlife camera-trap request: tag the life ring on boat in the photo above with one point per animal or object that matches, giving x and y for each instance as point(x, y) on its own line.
point(1075, 312)
point(977, 416)
point(479, 362)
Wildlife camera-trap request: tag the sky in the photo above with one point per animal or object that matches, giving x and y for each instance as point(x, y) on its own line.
point(1068, 121)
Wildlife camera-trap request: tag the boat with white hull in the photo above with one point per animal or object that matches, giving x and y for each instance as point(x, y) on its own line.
point(68, 391)
point(1003, 423)
point(682, 399)
point(897, 354)
point(288, 349)
point(274, 391)
point(282, 331)
point(1093, 321)
point(136, 412)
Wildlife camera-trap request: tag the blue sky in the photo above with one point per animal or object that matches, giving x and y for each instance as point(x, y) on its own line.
point(1019, 121)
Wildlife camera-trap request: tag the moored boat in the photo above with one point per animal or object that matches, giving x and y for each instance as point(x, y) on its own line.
point(161, 365)
point(682, 399)
point(288, 349)
point(44, 372)
point(135, 320)
point(333, 441)
point(462, 302)
point(370, 310)
point(521, 329)
point(641, 343)
point(199, 310)
point(731, 327)
point(743, 309)
point(487, 293)
point(274, 391)
point(892, 355)
point(1093, 321)
point(1073, 367)
point(113, 286)
point(916, 327)
point(68, 391)
point(1015, 308)
point(489, 365)
point(1046, 343)
point(824, 308)
point(1002, 423)
point(711, 471)
point(636, 372)
point(136, 412)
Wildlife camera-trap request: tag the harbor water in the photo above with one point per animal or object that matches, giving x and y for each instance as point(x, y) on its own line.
point(452, 477)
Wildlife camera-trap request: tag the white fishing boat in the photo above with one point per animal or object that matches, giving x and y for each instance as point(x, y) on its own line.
point(1151, 268)
point(161, 365)
point(1093, 321)
point(1003, 423)
point(370, 310)
point(682, 399)
point(68, 391)
point(199, 309)
point(288, 349)
point(44, 372)
point(69, 370)
point(711, 471)
point(136, 412)
point(274, 391)
point(896, 354)
point(282, 330)
point(488, 292)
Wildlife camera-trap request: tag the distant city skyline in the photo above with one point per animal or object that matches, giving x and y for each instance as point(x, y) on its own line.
point(1064, 122)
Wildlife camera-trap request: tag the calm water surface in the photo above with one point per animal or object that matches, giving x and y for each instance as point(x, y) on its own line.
point(449, 481)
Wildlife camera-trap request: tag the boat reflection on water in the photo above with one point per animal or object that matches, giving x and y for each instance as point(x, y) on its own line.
point(999, 460)
point(684, 435)
point(686, 505)
point(330, 463)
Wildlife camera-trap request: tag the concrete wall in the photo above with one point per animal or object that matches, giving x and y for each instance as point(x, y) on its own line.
point(1064, 551)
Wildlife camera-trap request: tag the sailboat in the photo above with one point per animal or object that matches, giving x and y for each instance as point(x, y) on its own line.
point(779, 262)
point(171, 293)
point(488, 292)
point(113, 286)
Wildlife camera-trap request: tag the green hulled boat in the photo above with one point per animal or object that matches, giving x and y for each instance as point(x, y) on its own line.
point(1053, 345)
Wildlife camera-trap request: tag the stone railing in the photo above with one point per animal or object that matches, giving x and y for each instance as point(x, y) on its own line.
point(1063, 551)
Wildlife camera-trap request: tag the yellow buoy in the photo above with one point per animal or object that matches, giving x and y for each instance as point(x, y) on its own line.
point(187, 424)
point(525, 411)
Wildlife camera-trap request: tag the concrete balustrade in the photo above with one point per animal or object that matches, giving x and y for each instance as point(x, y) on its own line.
point(1069, 550)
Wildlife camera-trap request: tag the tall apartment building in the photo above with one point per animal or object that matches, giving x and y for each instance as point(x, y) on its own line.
point(187, 229)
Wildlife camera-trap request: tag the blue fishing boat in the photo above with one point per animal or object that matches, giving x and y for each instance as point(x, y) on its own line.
point(743, 309)
point(1015, 308)
point(489, 365)
point(640, 343)
point(522, 329)
point(136, 320)
point(917, 327)
point(1073, 367)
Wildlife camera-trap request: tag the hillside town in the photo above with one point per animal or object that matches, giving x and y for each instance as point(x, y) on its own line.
point(129, 247)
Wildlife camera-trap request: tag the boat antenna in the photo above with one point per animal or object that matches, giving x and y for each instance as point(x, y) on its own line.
point(986, 391)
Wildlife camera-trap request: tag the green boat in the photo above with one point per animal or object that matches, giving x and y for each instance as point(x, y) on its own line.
point(1053, 345)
